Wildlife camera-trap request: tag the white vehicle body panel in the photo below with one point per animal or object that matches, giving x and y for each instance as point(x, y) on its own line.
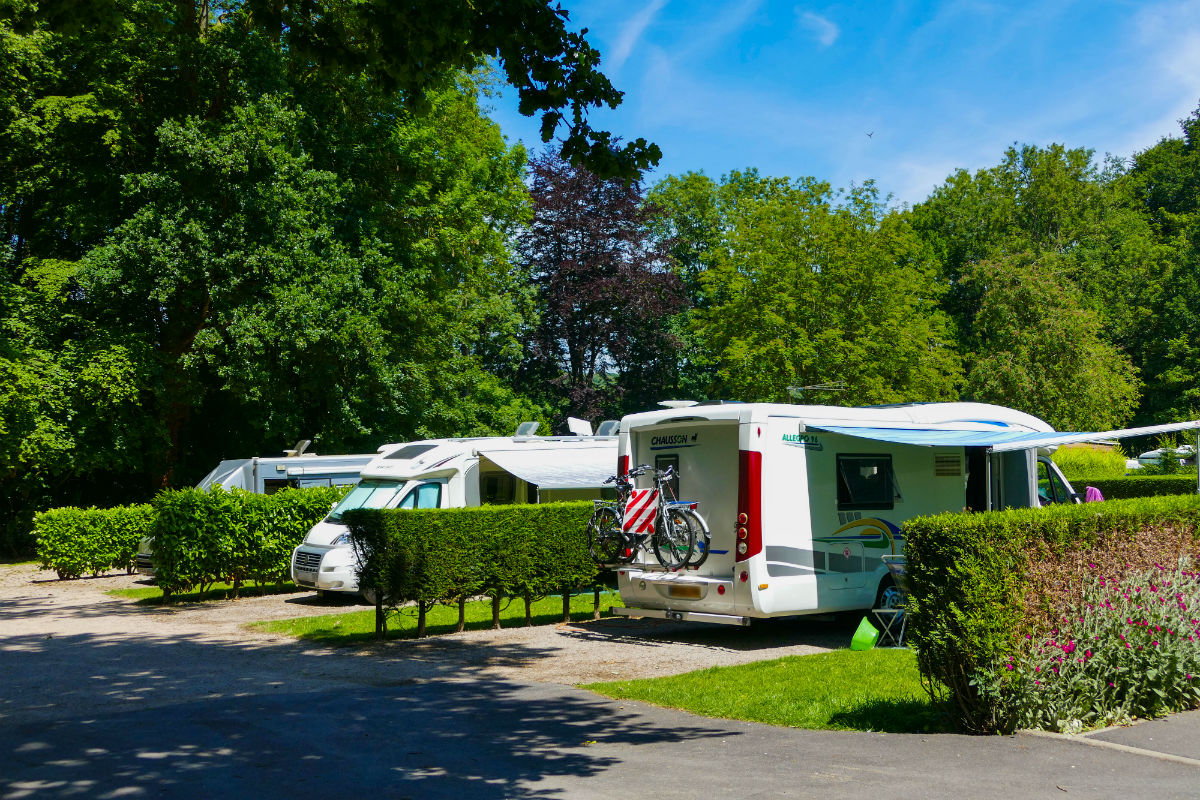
point(819, 511)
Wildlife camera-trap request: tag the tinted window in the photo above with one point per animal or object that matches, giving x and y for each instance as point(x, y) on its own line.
point(865, 482)
point(427, 495)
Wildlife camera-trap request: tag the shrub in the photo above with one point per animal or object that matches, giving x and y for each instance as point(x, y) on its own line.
point(1139, 485)
point(74, 541)
point(446, 555)
point(1130, 649)
point(981, 583)
point(1089, 462)
point(206, 537)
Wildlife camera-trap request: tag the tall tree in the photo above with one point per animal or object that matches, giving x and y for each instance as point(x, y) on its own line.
point(1035, 348)
point(797, 286)
point(605, 293)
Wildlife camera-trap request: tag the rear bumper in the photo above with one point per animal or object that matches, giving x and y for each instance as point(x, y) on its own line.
point(681, 616)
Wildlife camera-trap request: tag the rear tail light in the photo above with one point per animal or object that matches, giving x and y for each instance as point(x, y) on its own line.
point(749, 516)
point(622, 466)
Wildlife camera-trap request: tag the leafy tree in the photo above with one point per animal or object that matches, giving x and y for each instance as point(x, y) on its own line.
point(1162, 184)
point(212, 249)
point(1035, 348)
point(798, 286)
point(604, 293)
point(408, 49)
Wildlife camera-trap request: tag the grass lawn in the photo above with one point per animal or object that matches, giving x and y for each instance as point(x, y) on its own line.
point(152, 595)
point(875, 690)
point(359, 626)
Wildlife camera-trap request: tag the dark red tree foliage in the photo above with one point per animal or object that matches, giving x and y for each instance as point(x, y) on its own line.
point(605, 293)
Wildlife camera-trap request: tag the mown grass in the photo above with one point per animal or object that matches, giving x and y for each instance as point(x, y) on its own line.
point(152, 595)
point(359, 626)
point(869, 690)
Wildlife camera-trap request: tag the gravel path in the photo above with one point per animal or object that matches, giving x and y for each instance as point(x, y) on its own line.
point(73, 642)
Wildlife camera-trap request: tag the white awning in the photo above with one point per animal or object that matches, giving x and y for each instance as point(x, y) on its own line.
point(583, 468)
point(998, 440)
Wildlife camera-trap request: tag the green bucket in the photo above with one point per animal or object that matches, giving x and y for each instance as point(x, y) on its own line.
point(865, 637)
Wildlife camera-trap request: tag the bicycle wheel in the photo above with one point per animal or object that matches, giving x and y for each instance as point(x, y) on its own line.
point(703, 537)
point(606, 542)
point(673, 539)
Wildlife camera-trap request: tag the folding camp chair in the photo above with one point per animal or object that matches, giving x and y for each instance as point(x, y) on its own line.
point(892, 620)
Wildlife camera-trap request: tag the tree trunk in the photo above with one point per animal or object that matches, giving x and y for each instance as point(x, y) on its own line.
point(380, 619)
point(421, 610)
point(496, 611)
point(462, 615)
point(595, 602)
point(528, 613)
point(566, 605)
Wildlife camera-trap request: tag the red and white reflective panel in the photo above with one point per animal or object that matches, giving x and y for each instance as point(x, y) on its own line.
point(641, 511)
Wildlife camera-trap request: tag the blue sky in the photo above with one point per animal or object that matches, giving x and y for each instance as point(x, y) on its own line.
point(794, 88)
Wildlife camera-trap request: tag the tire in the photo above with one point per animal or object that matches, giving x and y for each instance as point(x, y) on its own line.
point(889, 594)
point(605, 540)
point(674, 539)
point(703, 538)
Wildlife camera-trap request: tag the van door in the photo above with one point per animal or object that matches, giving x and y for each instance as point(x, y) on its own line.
point(428, 494)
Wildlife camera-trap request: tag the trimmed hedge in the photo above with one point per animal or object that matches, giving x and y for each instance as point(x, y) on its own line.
point(206, 537)
point(447, 555)
point(74, 541)
point(983, 584)
point(1139, 485)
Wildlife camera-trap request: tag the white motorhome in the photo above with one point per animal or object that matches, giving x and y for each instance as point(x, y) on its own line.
point(269, 474)
point(803, 500)
point(453, 473)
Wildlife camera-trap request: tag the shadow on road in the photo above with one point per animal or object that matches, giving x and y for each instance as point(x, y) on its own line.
point(194, 728)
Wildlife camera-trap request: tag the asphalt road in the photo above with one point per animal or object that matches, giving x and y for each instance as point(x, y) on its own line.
point(96, 715)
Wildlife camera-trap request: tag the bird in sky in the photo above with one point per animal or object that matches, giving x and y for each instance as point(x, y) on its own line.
point(870, 134)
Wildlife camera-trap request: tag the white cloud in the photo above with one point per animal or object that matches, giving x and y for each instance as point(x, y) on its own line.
point(826, 31)
point(633, 31)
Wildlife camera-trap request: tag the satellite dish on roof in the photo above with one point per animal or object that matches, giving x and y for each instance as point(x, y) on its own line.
point(579, 427)
point(677, 403)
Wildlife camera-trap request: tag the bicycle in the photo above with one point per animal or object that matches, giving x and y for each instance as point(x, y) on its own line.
point(619, 530)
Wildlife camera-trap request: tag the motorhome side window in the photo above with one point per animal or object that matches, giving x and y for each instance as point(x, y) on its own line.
point(427, 495)
point(865, 482)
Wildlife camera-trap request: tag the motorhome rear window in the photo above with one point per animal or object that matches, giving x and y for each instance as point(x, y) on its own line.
point(865, 482)
point(410, 451)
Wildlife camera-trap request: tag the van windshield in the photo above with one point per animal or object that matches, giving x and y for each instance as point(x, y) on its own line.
point(367, 494)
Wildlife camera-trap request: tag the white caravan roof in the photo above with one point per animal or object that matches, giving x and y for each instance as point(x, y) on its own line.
point(930, 424)
point(238, 473)
point(549, 462)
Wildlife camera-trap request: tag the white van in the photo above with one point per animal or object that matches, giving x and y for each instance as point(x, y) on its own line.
point(803, 500)
point(453, 473)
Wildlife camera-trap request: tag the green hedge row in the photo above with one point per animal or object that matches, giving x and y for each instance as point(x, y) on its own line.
point(206, 537)
point(448, 555)
point(982, 586)
point(75, 541)
point(1139, 485)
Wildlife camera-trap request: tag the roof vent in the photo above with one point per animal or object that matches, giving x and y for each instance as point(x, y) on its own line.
point(579, 427)
point(299, 449)
point(677, 403)
point(609, 427)
point(527, 428)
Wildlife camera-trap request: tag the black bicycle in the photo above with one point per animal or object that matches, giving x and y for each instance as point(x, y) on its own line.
point(620, 529)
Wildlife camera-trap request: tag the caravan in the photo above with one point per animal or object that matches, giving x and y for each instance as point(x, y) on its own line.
point(802, 501)
point(452, 473)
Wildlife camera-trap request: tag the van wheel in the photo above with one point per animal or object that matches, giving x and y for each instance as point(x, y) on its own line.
point(889, 594)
